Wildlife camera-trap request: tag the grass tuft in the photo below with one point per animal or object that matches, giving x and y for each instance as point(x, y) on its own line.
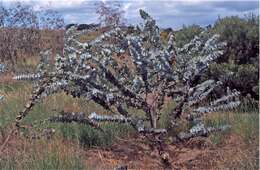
point(89, 137)
point(244, 125)
point(44, 155)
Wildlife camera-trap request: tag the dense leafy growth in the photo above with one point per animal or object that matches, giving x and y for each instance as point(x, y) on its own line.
point(238, 66)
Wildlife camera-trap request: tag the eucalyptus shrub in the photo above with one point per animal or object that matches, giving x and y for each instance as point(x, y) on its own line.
point(128, 68)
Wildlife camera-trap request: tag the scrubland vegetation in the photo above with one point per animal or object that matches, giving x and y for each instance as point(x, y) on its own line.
point(80, 146)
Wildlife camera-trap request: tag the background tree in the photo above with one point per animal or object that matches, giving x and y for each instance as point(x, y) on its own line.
point(21, 33)
point(3, 15)
point(50, 19)
point(110, 14)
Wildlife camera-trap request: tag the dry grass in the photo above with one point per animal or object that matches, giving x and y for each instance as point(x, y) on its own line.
point(41, 154)
point(234, 149)
point(91, 36)
point(244, 125)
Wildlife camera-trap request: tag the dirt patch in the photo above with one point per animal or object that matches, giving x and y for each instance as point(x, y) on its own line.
point(197, 153)
point(7, 78)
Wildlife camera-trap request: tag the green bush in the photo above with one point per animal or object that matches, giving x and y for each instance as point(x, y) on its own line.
point(238, 67)
point(186, 34)
point(242, 37)
point(241, 77)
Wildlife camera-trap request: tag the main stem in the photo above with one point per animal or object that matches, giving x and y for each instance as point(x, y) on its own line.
point(153, 118)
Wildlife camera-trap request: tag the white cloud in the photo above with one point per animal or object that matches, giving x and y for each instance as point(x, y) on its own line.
point(52, 3)
point(168, 13)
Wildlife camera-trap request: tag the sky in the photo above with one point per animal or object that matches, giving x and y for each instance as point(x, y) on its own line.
point(168, 13)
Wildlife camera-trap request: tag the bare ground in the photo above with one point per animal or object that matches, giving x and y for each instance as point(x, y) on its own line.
point(198, 153)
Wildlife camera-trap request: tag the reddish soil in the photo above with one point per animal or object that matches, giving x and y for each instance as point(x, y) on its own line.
point(198, 153)
point(7, 78)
